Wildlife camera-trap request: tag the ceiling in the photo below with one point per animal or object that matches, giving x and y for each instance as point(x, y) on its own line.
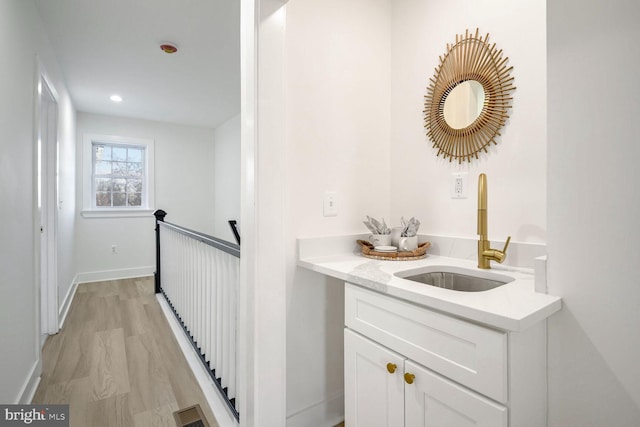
point(107, 47)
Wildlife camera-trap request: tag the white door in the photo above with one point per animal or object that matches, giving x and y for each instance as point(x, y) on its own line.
point(374, 386)
point(434, 401)
point(47, 145)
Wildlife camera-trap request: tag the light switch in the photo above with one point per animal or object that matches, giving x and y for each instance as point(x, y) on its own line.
point(330, 205)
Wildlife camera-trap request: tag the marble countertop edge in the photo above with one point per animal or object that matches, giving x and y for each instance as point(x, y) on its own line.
point(514, 306)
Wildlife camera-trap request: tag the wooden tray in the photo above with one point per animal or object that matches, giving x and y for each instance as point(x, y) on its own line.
point(418, 253)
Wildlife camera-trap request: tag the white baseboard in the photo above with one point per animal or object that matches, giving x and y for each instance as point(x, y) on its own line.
point(28, 390)
point(125, 273)
point(216, 403)
point(66, 303)
point(43, 339)
point(326, 413)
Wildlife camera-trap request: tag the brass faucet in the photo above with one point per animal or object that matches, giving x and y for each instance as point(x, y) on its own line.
point(485, 253)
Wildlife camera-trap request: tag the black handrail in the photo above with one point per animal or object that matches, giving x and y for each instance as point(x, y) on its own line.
point(223, 245)
point(234, 227)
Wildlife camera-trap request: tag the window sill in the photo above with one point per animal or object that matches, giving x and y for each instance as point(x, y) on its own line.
point(117, 213)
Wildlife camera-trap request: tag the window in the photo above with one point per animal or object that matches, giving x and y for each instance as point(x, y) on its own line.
point(118, 178)
point(118, 175)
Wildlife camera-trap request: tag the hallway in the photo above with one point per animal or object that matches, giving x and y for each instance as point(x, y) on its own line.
point(116, 361)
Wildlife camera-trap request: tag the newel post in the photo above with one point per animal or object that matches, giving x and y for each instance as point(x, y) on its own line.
point(159, 214)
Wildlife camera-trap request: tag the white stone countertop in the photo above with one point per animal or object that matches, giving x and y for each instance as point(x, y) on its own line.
point(514, 306)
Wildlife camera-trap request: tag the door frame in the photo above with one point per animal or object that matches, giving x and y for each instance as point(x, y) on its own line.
point(263, 270)
point(46, 202)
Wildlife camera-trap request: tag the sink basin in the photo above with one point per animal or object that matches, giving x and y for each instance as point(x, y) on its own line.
point(459, 281)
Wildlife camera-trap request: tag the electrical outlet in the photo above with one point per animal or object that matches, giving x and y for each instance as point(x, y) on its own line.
point(330, 205)
point(459, 185)
point(114, 249)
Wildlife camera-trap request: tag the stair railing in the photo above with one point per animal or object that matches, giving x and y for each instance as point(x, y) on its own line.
point(198, 275)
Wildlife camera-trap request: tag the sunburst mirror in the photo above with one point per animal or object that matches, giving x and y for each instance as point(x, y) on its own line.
point(468, 98)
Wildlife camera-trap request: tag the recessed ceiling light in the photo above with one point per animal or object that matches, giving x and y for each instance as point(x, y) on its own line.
point(116, 98)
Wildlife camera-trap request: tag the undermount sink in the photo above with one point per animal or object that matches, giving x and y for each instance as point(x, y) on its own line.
point(458, 281)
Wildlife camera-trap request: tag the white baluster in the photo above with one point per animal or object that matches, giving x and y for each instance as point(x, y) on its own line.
point(219, 318)
point(206, 301)
point(200, 296)
point(233, 319)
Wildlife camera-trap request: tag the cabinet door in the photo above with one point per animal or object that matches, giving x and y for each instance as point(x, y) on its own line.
point(374, 396)
point(432, 400)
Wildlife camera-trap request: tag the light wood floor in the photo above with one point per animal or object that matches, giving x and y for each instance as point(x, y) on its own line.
point(116, 361)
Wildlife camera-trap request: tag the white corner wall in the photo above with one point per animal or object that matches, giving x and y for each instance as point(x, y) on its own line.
point(225, 179)
point(516, 167)
point(594, 207)
point(337, 138)
point(22, 37)
point(183, 189)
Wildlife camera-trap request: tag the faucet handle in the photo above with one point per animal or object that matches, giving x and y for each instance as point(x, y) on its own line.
point(498, 255)
point(506, 245)
point(501, 255)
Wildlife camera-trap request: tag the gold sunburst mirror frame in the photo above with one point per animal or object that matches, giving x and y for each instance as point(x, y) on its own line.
point(471, 58)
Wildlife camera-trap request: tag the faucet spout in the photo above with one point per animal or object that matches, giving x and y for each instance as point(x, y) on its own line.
point(485, 253)
point(482, 205)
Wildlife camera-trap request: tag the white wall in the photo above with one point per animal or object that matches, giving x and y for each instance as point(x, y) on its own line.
point(183, 189)
point(22, 37)
point(337, 138)
point(225, 170)
point(516, 167)
point(594, 207)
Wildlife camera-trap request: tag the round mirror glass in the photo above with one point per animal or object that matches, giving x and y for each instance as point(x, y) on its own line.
point(464, 104)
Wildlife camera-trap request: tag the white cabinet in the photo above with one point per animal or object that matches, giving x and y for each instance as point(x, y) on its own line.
point(374, 387)
point(435, 401)
point(458, 373)
point(384, 389)
point(467, 353)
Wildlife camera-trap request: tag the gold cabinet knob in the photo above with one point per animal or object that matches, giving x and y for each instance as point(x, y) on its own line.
point(408, 378)
point(391, 367)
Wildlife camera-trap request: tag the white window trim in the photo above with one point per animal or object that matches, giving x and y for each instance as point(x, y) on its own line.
point(89, 211)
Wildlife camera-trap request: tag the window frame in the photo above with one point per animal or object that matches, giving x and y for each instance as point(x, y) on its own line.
point(90, 210)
